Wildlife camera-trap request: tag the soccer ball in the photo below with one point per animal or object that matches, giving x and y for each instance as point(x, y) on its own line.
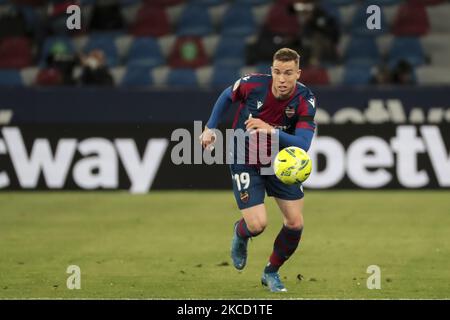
point(292, 165)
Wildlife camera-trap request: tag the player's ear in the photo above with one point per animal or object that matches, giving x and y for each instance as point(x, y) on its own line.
point(299, 74)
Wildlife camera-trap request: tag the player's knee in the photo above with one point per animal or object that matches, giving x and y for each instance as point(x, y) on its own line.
point(257, 226)
point(296, 224)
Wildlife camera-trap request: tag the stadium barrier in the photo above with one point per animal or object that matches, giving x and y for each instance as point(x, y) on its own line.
point(109, 139)
point(140, 158)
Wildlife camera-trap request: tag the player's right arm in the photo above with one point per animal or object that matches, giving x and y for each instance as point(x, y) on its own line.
point(220, 107)
point(231, 94)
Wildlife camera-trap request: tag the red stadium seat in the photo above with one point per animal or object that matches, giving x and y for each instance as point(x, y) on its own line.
point(280, 21)
point(188, 52)
point(411, 20)
point(152, 21)
point(49, 77)
point(314, 75)
point(15, 53)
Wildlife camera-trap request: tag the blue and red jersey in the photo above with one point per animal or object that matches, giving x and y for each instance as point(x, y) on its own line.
point(254, 92)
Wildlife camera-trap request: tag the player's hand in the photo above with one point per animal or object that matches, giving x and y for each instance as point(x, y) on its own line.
point(255, 125)
point(207, 138)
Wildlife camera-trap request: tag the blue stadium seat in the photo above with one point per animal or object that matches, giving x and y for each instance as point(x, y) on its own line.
point(230, 52)
point(194, 21)
point(10, 78)
point(253, 2)
point(208, 2)
point(105, 42)
point(49, 42)
point(145, 52)
point(137, 76)
point(357, 75)
point(182, 78)
point(224, 77)
point(383, 2)
point(264, 68)
point(406, 48)
point(359, 23)
point(362, 51)
point(332, 9)
point(238, 21)
point(340, 2)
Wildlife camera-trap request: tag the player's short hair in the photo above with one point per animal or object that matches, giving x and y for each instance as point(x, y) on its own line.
point(286, 54)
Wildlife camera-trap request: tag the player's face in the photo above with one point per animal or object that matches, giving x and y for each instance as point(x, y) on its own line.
point(285, 75)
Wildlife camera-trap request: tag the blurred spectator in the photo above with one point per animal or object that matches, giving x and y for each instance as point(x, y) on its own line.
point(95, 71)
point(262, 50)
point(403, 73)
point(61, 59)
point(319, 31)
point(12, 22)
point(381, 75)
point(106, 16)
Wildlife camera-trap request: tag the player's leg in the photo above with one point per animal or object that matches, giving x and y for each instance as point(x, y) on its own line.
point(290, 202)
point(249, 191)
point(290, 234)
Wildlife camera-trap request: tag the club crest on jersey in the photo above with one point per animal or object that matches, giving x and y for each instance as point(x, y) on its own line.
point(244, 196)
point(290, 111)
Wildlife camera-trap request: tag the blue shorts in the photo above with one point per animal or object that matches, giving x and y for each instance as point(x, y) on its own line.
point(250, 186)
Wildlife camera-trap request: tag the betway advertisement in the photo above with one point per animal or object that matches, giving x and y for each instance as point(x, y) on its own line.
point(142, 158)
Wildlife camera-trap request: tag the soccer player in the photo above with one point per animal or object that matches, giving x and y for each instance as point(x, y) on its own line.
point(279, 104)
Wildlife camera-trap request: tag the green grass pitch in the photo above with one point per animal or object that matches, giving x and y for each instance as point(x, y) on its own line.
point(175, 245)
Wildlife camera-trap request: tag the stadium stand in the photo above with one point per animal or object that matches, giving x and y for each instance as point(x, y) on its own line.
point(212, 39)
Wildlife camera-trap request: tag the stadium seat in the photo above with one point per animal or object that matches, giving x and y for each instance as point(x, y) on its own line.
point(411, 20)
point(182, 78)
point(208, 2)
point(145, 52)
point(49, 77)
point(315, 75)
point(383, 2)
point(238, 21)
point(107, 44)
point(357, 75)
point(362, 51)
point(280, 21)
point(188, 52)
point(428, 2)
point(15, 52)
point(224, 77)
point(137, 76)
point(332, 10)
point(340, 2)
point(51, 42)
point(152, 21)
point(230, 52)
point(359, 23)
point(166, 3)
point(406, 48)
point(194, 21)
point(10, 78)
point(253, 2)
